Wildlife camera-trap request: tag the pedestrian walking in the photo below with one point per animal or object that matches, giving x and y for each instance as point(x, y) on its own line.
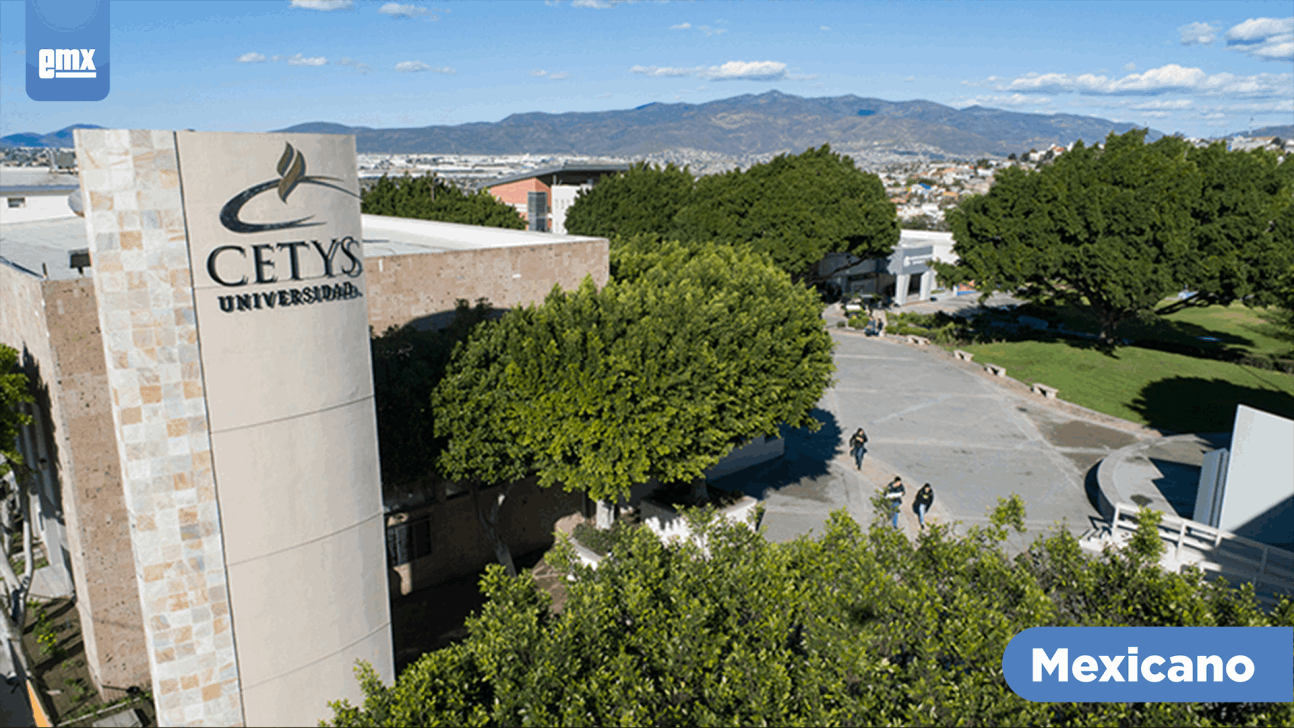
point(856, 443)
point(894, 494)
point(924, 499)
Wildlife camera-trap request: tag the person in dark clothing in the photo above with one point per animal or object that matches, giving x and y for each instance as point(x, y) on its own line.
point(894, 494)
point(925, 498)
point(856, 444)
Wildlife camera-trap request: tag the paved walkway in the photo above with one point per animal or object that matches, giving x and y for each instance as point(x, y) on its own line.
point(931, 418)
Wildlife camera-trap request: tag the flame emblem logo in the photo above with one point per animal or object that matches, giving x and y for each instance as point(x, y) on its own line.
point(292, 173)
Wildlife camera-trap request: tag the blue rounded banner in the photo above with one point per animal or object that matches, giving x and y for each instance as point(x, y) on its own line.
point(1152, 664)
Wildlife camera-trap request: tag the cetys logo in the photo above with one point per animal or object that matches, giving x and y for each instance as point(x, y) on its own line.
point(1152, 664)
point(292, 172)
point(67, 50)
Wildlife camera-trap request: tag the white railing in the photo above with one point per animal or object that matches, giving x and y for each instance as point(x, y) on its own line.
point(1217, 550)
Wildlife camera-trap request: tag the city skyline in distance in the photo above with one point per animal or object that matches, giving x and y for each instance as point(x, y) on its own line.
point(1202, 68)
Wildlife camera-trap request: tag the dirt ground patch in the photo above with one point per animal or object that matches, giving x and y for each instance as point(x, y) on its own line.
point(1076, 433)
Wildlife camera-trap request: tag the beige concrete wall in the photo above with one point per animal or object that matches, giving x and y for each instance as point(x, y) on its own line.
point(56, 323)
point(404, 288)
point(289, 393)
point(526, 523)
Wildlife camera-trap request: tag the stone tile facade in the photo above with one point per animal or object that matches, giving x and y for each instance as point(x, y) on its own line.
point(136, 227)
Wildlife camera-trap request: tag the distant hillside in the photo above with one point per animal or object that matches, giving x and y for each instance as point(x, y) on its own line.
point(748, 124)
point(1284, 132)
point(60, 138)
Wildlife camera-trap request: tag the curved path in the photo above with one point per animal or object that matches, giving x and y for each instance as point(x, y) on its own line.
point(931, 418)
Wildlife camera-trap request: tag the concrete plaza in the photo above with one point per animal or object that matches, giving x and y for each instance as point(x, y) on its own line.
point(931, 418)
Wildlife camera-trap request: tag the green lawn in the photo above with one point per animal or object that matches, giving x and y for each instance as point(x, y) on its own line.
point(1255, 331)
point(1169, 391)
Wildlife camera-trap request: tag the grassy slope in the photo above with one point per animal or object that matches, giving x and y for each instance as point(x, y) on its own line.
point(1169, 391)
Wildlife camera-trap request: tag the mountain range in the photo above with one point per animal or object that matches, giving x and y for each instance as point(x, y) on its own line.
point(749, 124)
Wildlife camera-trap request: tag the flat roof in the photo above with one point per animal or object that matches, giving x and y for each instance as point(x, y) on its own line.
point(572, 168)
point(401, 236)
point(34, 180)
point(31, 244)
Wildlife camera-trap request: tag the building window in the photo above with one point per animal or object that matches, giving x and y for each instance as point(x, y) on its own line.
point(17, 202)
point(408, 541)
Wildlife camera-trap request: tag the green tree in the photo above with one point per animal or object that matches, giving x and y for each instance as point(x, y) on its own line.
point(851, 627)
point(13, 392)
point(1244, 227)
point(1111, 229)
point(691, 351)
point(642, 199)
point(430, 198)
point(795, 209)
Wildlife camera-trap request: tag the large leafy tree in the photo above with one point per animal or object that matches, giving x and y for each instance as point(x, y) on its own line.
point(850, 628)
point(1122, 227)
point(430, 198)
point(665, 370)
point(796, 209)
point(693, 350)
point(642, 199)
point(1244, 227)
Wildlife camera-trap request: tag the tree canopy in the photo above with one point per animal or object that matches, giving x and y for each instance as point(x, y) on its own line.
point(794, 208)
point(642, 199)
point(851, 627)
point(430, 198)
point(691, 351)
point(1122, 227)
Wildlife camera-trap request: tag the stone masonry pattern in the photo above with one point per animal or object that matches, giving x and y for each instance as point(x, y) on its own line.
point(135, 223)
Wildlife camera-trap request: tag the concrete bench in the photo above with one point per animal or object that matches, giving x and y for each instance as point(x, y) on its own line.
point(996, 370)
point(919, 340)
point(1044, 390)
point(963, 355)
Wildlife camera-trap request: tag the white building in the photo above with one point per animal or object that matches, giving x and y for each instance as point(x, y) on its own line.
point(35, 193)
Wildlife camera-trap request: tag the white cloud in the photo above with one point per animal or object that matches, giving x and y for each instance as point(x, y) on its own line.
point(419, 67)
point(1269, 39)
point(361, 67)
point(301, 60)
point(1198, 33)
point(825, 27)
point(1157, 104)
point(322, 4)
point(1129, 67)
point(909, 79)
point(986, 82)
point(1165, 79)
point(252, 57)
point(396, 10)
point(681, 26)
point(662, 71)
point(711, 31)
point(1008, 100)
point(746, 71)
point(545, 74)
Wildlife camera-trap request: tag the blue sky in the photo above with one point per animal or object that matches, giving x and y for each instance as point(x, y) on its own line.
point(1202, 68)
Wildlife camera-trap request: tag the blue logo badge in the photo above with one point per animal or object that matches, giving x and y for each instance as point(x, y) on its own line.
point(67, 50)
point(1152, 664)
